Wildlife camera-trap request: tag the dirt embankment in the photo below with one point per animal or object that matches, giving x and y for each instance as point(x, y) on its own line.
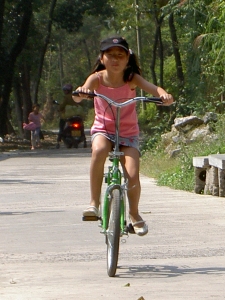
point(13, 142)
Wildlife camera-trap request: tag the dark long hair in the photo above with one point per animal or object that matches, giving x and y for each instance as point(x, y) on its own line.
point(131, 69)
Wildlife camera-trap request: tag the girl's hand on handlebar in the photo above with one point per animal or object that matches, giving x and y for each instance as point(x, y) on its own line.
point(167, 99)
point(81, 93)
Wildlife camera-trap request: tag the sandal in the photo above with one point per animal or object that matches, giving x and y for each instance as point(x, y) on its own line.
point(140, 230)
point(91, 211)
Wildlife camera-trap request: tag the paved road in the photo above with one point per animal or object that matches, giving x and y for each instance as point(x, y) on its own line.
point(47, 252)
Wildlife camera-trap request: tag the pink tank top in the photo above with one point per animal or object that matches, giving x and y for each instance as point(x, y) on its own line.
point(105, 115)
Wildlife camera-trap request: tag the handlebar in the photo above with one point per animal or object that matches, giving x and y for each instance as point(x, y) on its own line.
point(125, 103)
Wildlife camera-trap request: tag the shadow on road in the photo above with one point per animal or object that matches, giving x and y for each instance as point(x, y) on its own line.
point(151, 271)
point(21, 181)
point(16, 213)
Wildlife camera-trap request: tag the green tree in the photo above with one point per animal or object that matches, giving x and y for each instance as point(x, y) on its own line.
point(30, 25)
point(15, 17)
point(211, 49)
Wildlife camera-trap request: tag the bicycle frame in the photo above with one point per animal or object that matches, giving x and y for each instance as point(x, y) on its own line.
point(114, 179)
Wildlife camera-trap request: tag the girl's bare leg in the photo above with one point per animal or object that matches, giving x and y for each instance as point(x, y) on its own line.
point(33, 143)
point(130, 162)
point(101, 146)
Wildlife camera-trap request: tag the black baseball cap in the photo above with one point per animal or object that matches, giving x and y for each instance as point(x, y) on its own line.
point(114, 42)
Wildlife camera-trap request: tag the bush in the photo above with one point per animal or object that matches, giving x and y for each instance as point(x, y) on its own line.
point(178, 172)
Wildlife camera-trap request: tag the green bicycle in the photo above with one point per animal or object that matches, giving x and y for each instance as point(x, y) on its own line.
point(113, 209)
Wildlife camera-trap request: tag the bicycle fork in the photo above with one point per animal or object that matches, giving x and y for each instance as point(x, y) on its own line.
point(113, 178)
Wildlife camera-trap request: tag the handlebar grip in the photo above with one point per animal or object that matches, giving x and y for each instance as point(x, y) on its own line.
point(76, 93)
point(154, 100)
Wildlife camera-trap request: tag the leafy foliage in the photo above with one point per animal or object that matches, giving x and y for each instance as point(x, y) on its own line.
point(78, 27)
point(69, 14)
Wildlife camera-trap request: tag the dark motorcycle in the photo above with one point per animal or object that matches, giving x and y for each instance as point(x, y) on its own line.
point(73, 131)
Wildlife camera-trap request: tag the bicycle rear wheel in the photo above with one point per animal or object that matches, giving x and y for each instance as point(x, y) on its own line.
point(113, 233)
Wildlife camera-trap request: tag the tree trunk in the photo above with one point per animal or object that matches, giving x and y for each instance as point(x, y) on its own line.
point(157, 45)
point(44, 49)
point(18, 104)
point(25, 85)
point(61, 64)
point(161, 56)
point(153, 62)
point(49, 110)
point(8, 72)
point(2, 8)
point(176, 52)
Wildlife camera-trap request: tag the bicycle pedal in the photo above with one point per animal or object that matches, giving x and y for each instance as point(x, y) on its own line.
point(130, 229)
point(90, 218)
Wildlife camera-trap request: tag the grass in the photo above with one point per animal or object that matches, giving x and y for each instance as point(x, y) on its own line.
point(171, 172)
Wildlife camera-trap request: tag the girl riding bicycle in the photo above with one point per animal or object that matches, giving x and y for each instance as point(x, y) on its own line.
point(116, 74)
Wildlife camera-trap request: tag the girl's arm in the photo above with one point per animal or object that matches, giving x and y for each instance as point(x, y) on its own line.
point(89, 86)
point(150, 88)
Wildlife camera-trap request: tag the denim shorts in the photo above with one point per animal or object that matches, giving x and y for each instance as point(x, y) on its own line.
point(132, 141)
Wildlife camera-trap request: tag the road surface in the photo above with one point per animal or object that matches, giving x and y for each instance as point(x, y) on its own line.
point(47, 252)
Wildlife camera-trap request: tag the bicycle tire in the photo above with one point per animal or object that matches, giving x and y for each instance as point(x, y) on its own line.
point(113, 233)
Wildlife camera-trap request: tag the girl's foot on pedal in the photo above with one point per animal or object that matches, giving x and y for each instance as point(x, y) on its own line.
point(143, 230)
point(91, 211)
point(139, 225)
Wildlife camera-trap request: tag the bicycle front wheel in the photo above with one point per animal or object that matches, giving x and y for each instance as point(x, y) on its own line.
point(113, 233)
